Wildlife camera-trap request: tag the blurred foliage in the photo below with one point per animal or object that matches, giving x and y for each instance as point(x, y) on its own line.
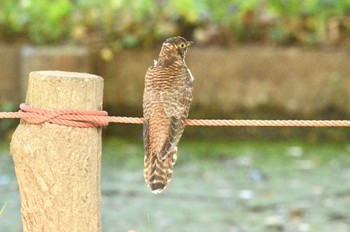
point(38, 21)
point(121, 24)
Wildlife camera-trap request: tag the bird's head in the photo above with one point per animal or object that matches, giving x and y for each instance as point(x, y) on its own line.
point(174, 48)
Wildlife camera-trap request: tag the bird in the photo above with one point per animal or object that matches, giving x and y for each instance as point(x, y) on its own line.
point(166, 103)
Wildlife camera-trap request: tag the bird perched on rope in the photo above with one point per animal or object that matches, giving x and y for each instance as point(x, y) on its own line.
point(166, 103)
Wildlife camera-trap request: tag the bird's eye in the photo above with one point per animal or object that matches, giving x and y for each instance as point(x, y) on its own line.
point(182, 45)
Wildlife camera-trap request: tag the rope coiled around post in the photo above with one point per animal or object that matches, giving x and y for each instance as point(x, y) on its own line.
point(85, 118)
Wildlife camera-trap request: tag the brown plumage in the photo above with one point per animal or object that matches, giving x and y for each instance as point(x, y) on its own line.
point(166, 103)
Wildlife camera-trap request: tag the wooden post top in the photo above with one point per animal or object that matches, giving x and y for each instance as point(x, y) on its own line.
point(64, 90)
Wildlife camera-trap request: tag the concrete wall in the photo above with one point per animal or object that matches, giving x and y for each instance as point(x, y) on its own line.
point(9, 74)
point(293, 80)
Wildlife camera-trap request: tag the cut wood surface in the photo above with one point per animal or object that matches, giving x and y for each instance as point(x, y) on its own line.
point(58, 167)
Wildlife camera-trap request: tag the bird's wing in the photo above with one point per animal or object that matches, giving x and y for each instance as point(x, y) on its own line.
point(158, 170)
point(150, 100)
point(176, 106)
point(165, 108)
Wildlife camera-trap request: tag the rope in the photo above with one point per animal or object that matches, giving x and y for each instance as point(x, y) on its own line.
point(84, 118)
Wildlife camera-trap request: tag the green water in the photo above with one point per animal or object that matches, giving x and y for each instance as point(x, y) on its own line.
point(217, 186)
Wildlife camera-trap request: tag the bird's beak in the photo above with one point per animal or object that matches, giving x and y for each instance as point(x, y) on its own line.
point(189, 43)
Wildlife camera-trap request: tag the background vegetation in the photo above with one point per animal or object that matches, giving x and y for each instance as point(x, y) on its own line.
point(121, 23)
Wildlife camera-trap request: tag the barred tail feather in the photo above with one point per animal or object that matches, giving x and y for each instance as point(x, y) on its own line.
point(158, 171)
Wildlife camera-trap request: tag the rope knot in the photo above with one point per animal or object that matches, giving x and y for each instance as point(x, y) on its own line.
point(66, 117)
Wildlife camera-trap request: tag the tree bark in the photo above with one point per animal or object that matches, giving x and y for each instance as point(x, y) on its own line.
point(58, 167)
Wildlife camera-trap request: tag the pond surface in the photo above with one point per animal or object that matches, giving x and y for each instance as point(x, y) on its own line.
point(216, 186)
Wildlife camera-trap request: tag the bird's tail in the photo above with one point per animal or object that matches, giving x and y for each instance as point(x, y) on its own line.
point(158, 170)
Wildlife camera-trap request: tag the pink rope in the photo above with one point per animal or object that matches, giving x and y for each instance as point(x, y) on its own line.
point(84, 118)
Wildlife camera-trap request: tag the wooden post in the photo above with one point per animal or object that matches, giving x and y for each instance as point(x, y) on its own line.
point(58, 167)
